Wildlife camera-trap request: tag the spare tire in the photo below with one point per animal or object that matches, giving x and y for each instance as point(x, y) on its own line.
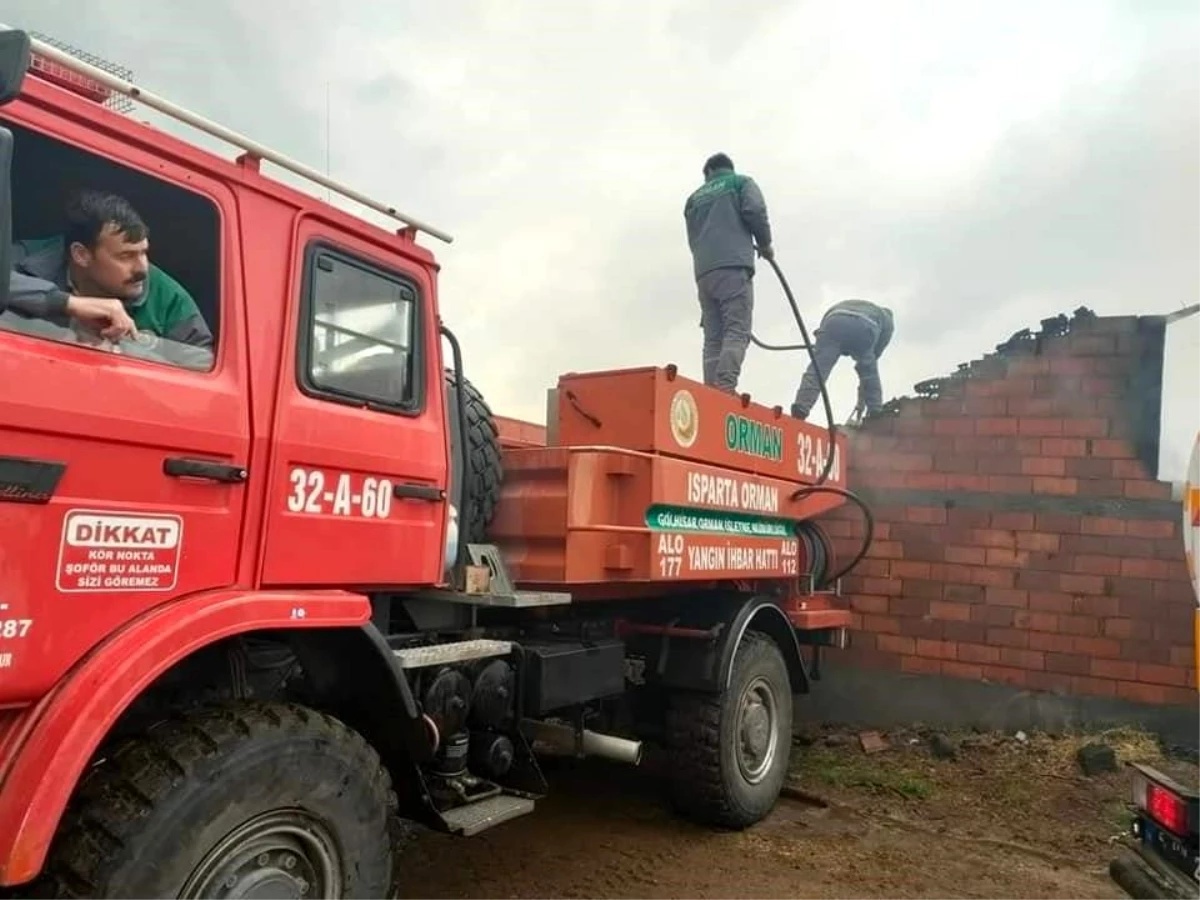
point(484, 472)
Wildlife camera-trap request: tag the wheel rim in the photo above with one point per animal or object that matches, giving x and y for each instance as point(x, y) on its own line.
point(758, 732)
point(282, 853)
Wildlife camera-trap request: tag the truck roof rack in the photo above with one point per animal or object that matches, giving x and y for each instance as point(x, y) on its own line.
point(132, 91)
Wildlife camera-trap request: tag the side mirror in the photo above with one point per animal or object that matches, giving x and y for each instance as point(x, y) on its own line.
point(15, 56)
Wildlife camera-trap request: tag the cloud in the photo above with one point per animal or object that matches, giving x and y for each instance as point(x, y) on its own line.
point(978, 166)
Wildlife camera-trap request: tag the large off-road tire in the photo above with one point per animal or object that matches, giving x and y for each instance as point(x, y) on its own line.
point(224, 802)
point(730, 752)
point(484, 470)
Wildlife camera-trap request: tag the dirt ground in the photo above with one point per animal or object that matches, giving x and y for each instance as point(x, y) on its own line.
point(1005, 818)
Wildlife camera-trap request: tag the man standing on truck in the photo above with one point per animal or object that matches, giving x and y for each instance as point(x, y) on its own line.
point(722, 216)
point(855, 328)
point(103, 253)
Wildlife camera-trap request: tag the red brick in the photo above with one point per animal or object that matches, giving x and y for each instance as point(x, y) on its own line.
point(1129, 468)
point(1168, 548)
point(1129, 546)
point(1081, 584)
point(1102, 387)
point(1102, 526)
point(1099, 607)
point(1096, 687)
point(1051, 601)
point(1014, 598)
point(965, 519)
point(1084, 626)
point(916, 665)
point(954, 464)
point(1012, 521)
point(909, 606)
point(1110, 449)
point(1068, 663)
point(1008, 637)
point(912, 426)
point(1051, 643)
point(1000, 556)
point(869, 604)
point(1092, 344)
point(966, 556)
point(1145, 568)
point(954, 612)
point(1156, 674)
point(890, 643)
point(1098, 565)
point(993, 537)
point(1058, 523)
point(1047, 466)
point(1146, 651)
point(970, 632)
point(1143, 693)
point(1114, 668)
point(1090, 544)
point(978, 653)
point(882, 586)
point(1070, 365)
point(1010, 484)
point(995, 426)
point(1183, 656)
point(964, 593)
point(1005, 675)
point(906, 569)
point(1085, 428)
point(921, 627)
point(1035, 621)
point(1049, 427)
point(1180, 696)
point(924, 590)
point(962, 670)
point(1045, 543)
point(1059, 486)
point(1090, 468)
point(1009, 464)
point(1033, 580)
point(923, 553)
point(1148, 490)
point(993, 578)
point(1032, 406)
point(881, 624)
point(937, 649)
point(1022, 659)
point(954, 427)
point(1033, 365)
point(999, 616)
point(887, 549)
point(1178, 591)
point(1065, 447)
point(977, 483)
point(982, 447)
point(926, 515)
point(870, 567)
point(1127, 628)
point(1101, 487)
point(1097, 647)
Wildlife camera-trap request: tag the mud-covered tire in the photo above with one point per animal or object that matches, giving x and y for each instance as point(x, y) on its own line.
point(146, 818)
point(484, 469)
point(708, 784)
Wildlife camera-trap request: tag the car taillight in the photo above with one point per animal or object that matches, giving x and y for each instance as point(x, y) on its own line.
point(1164, 806)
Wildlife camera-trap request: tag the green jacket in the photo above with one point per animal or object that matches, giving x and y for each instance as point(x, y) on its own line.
point(39, 288)
point(721, 216)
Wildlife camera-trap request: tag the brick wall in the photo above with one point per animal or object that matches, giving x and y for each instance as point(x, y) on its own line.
point(1021, 536)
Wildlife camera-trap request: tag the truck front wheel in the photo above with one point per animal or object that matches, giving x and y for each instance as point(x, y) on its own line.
point(730, 752)
point(254, 800)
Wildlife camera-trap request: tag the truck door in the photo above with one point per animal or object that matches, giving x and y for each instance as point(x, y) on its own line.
point(120, 472)
point(360, 459)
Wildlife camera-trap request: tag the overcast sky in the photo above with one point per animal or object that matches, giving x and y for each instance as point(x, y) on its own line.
point(978, 166)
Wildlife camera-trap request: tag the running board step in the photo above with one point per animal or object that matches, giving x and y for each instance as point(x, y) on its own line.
point(446, 654)
point(476, 817)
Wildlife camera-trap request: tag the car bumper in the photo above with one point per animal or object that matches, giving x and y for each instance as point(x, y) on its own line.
point(1144, 875)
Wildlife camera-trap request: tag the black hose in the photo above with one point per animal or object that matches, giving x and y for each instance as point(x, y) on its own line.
point(868, 518)
point(807, 345)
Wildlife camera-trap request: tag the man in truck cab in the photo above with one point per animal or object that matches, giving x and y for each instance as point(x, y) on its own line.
point(722, 215)
point(102, 253)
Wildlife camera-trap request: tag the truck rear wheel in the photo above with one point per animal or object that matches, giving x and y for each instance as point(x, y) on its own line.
point(251, 800)
point(730, 752)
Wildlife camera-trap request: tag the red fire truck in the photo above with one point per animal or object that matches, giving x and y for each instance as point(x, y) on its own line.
point(261, 601)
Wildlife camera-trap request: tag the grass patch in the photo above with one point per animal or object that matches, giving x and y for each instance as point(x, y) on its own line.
point(827, 766)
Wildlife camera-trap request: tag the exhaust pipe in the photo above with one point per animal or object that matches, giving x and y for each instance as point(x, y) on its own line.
point(566, 741)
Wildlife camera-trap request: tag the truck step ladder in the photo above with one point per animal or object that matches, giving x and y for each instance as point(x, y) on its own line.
point(473, 818)
point(447, 654)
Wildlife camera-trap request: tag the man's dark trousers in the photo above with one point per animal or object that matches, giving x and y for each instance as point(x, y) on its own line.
point(841, 335)
point(726, 310)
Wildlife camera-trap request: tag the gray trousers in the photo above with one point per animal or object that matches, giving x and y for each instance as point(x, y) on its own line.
point(726, 311)
point(842, 334)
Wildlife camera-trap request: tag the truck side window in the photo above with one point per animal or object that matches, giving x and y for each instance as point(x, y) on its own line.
point(87, 225)
point(362, 322)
